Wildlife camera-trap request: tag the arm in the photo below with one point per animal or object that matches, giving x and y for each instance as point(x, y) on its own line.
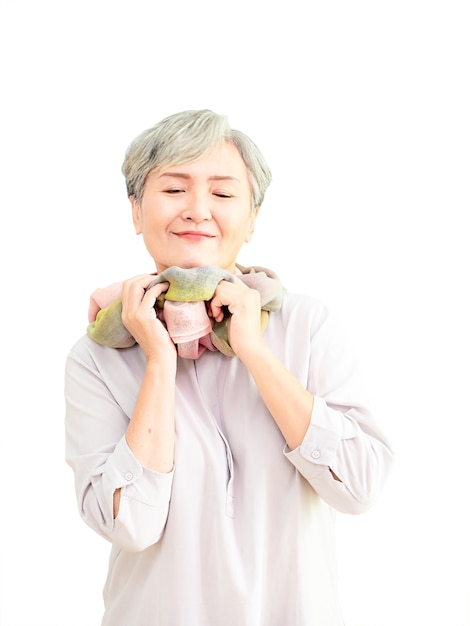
point(151, 431)
point(113, 399)
point(287, 400)
point(313, 396)
point(101, 385)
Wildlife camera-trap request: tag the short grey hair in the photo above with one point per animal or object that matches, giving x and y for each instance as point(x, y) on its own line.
point(185, 137)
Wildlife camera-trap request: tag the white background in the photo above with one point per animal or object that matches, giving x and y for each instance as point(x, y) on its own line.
point(362, 110)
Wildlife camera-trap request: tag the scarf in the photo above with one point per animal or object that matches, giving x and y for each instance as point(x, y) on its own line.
point(182, 308)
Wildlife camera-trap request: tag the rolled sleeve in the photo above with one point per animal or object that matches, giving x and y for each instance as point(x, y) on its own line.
point(122, 468)
point(322, 440)
point(143, 509)
point(334, 441)
point(320, 444)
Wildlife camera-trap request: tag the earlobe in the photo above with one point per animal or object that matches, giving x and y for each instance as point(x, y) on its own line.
point(249, 235)
point(136, 214)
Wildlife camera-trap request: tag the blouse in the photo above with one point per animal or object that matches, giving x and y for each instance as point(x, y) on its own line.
point(241, 531)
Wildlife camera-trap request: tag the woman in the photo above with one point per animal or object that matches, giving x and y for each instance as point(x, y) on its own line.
point(216, 472)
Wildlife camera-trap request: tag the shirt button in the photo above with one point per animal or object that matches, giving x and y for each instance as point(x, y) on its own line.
point(128, 476)
point(316, 454)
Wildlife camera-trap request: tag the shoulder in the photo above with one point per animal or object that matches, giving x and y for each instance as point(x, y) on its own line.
point(301, 320)
point(302, 308)
point(95, 356)
point(85, 349)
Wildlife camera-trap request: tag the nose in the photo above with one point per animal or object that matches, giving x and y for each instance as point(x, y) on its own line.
point(198, 207)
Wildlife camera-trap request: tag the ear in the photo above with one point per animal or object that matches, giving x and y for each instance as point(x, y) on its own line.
point(251, 224)
point(136, 215)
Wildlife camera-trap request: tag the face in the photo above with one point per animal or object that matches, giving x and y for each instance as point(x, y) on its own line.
point(197, 213)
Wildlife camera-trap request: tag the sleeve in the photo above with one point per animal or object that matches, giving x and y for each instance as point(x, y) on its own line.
point(102, 462)
point(343, 436)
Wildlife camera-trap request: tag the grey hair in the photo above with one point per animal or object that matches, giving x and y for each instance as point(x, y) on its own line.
point(185, 137)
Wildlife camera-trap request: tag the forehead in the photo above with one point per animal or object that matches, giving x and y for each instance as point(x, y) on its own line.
point(222, 162)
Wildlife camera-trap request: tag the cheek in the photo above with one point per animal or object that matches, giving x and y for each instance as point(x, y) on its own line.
point(236, 232)
point(237, 224)
point(152, 221)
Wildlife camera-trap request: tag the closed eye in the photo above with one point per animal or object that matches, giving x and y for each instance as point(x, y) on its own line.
point(174, 191)
point(221, 194)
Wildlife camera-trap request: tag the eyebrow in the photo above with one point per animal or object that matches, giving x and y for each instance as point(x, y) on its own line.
point(187, 176)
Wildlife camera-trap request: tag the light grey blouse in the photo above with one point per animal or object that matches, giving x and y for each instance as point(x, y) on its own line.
point(241, 532)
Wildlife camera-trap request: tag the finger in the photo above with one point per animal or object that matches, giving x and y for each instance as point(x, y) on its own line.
point(156, 289)
point(218, 307)
point(135, 293)
point(136, 283)
point(153, 294)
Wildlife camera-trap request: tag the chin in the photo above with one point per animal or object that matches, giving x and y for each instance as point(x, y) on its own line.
point(187, 264)
point(190, 262)
point(193, 263)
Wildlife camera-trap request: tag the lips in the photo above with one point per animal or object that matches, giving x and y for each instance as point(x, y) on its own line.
point(194, 235)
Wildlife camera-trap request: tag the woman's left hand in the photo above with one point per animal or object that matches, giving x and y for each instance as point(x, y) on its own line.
point(244, 305)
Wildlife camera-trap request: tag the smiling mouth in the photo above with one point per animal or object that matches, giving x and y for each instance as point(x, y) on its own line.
point(194, 235)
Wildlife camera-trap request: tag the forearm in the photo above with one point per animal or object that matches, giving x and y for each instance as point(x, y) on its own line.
point(151, 431)
point(289, 403)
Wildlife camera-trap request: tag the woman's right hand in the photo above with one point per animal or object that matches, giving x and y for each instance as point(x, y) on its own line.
point(140, 319)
